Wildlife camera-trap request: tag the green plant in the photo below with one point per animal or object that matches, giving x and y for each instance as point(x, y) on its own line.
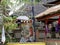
point(9, 23)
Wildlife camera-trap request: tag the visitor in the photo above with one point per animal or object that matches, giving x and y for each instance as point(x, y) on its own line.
point(53, 35)
point(22, 40)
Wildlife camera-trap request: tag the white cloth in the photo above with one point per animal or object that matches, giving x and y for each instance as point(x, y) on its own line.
point(31, 39)
point(23, 40)
point(3, 35)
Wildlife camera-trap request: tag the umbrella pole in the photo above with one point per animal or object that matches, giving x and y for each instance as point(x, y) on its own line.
point(33, 20)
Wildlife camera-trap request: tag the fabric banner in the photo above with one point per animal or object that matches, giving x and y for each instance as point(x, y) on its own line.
point(59, 20)
point(58, 25)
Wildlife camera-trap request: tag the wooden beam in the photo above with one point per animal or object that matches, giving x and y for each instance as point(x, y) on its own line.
point(0, 0)
point(48, 16)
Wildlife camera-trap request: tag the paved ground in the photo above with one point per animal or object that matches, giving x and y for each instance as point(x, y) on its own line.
point(53, 43)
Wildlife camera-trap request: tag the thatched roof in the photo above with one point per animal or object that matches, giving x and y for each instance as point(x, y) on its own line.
point(54, 2)
point(49, 11)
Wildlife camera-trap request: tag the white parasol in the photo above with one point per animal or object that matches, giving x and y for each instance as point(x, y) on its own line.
point(22, 18)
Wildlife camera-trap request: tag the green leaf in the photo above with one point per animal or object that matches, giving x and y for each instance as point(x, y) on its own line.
point(4, 2)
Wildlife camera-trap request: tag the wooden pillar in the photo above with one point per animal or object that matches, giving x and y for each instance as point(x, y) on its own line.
point(46, 28)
